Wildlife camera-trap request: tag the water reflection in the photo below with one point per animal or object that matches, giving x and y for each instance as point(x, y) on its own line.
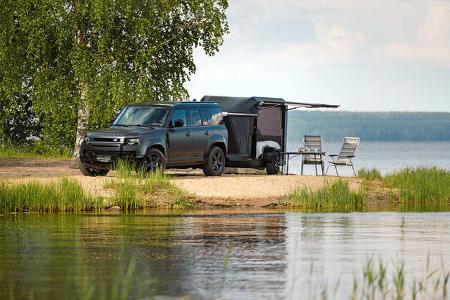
point(210, 254)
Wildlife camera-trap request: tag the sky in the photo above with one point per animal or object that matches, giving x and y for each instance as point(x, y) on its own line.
point(366, 55)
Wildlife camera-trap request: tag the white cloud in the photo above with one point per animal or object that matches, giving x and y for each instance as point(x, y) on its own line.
point(333, 45)
point(432, 42)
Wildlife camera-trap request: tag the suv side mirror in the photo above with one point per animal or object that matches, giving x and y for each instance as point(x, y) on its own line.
point(179, 123)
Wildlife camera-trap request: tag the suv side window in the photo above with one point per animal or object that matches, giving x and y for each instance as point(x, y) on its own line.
point(194, 117)
point(216, 115)
point(178, 118)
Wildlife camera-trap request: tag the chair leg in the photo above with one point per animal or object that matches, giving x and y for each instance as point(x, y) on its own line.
point(302, 168)
point(337, 174)
point(354, 173)
point(323, 167)
point(315, 166)
point(326, 172)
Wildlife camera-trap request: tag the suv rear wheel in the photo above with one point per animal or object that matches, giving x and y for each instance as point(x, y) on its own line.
point(215, 165)
point(92, 172)
point(154, 160)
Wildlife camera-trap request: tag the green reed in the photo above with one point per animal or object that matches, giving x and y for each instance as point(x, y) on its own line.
point(65, 195)
point(378, 281)
point(334, 195)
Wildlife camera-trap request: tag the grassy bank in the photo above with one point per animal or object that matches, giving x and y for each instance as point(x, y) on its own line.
point(421, 189)
point(129, 190)
point(64, 195)
point(416, 189)
point(137, 189)
point(14, 151)
point(334, 196)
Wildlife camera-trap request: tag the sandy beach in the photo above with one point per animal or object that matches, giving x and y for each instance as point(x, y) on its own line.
point(227, 190)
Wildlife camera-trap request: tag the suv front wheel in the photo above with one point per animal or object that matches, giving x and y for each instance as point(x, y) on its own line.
point(154, 160)
point(215, 165)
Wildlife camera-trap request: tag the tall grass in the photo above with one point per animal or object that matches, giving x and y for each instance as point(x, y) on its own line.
point(422, 185)
point(369, 174)
point(64, 195)
point(137, 188)
point(332, 196)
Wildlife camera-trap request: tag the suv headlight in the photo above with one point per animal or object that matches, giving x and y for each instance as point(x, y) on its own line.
point(133, 141)
point(87, 139)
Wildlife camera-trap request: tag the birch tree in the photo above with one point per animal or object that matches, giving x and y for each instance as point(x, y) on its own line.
point(80, 61)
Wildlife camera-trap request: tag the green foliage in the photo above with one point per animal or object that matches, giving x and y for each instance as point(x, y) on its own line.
point(369, 126)
point(369, 174)
point(33, 151)
point(63, 196)
point(334, 196)
point(422, 186)
point(61, 55)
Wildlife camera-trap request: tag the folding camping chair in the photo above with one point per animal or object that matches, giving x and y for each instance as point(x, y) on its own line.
point(312, 143)
point(344, 158)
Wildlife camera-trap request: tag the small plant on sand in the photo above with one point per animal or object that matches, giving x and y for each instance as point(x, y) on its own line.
point(334, 195)
point(65, 195)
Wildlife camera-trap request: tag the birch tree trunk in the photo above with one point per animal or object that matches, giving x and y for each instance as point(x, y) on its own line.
point(82, 125)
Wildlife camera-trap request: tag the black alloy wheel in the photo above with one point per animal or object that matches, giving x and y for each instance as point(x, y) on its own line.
point(154, 160)
point(273, 166)
point(215, 164)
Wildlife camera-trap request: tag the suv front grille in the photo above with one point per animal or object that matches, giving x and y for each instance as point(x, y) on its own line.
point(112, 140)
point(118, 154)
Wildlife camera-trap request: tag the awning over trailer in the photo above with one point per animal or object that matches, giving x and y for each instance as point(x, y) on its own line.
point(250, 105)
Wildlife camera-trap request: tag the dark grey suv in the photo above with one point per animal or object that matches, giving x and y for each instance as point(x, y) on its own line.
point(158, 136)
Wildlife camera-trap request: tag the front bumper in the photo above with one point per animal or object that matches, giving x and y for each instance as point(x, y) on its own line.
point(106, 155)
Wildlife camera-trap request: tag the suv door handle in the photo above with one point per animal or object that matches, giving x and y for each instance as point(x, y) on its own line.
point(206, 132)
point(188, 134)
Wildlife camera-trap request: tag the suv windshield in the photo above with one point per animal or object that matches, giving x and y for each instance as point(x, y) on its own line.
point(142, 116)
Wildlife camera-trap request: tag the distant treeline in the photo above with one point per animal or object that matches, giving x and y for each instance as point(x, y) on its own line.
point(370, 126)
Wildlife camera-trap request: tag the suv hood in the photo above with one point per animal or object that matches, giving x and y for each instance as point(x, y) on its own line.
point(124, 131)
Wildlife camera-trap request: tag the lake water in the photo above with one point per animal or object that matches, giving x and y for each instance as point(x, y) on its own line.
point(213, 254)
point(385, 156)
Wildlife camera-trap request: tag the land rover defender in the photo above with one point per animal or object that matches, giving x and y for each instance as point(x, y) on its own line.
point(157, 136)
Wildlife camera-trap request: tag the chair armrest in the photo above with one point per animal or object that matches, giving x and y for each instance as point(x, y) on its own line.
point(348, 156)
point(332, 155)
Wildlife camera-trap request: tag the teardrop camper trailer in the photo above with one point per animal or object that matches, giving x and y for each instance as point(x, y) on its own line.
point(257, 130)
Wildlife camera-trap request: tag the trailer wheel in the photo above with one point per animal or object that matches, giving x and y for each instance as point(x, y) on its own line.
point(273, 166)
point(215, 165)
